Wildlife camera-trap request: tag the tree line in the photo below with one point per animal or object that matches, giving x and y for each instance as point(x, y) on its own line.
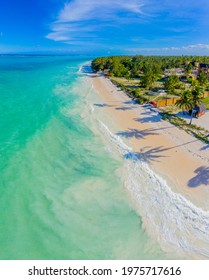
point(134, 66)
point(150, 69)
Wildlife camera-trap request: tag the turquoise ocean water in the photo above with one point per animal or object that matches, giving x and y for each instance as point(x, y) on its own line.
point(70, 187)
point(60, 193)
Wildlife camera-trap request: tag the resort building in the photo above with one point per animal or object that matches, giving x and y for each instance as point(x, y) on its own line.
point(201, 67)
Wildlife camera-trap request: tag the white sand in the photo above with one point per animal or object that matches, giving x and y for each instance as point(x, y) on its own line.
point(178, 157)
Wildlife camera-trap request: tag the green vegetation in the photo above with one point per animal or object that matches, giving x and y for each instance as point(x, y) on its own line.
point(172, 83)
point(205, 101)
point(141, 62)
point(150, 78)
point(202, 79)
point(197, 95)
point(134, 66)
point(185, 103)
point(190, 99)
point(187, 69)
point(154, 73)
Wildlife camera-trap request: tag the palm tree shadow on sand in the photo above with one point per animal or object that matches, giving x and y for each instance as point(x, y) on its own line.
point(204, 148)
point(150, 118)
point(130, 102)
point(146, 154)
point(153, 154)
point(138, 134)
point(103, 105)
point(202, 177)
point(125, 108)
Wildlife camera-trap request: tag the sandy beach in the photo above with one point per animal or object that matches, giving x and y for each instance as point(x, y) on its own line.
point(176, 156)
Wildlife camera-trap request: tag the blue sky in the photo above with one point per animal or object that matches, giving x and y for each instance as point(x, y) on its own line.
point(168, 27)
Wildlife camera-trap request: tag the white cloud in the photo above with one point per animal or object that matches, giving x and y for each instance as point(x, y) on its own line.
point(68, 31)
point(77, 10)
point(78, 18)
point(194, 48)
point(57, 36)
point(197, 46)
point(109, 22)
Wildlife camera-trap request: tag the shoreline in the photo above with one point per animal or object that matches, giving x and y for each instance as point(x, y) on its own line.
point(169, 151)
point(167, 171)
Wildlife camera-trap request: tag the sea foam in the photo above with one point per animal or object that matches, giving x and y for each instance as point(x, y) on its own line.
point(178, 225)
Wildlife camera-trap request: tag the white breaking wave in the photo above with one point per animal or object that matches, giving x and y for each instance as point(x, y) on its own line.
point(85, 68)
point(178, 225)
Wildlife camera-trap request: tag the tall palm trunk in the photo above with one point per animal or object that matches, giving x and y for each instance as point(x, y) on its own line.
point(191, 119)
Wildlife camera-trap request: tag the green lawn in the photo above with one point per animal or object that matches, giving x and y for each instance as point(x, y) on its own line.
point(206, 102)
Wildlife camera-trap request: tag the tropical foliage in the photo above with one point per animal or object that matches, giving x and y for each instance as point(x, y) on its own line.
point(190, 99)
point(148, 78)
point(185, 103)
point(173, 75)
point(138, 64)
point(171, 83)
point(197, 95)
point(202, 79)
point(157, 73)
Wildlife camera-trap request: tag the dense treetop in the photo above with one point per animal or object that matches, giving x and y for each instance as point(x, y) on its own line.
point(132, 66)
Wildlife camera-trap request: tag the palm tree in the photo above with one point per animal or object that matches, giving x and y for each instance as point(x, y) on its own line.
point(197, 95)
point(185, 103)
point(148, 78)
point(189, 99)
point(188, 68)
point(203, 79)
point(171, 83)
